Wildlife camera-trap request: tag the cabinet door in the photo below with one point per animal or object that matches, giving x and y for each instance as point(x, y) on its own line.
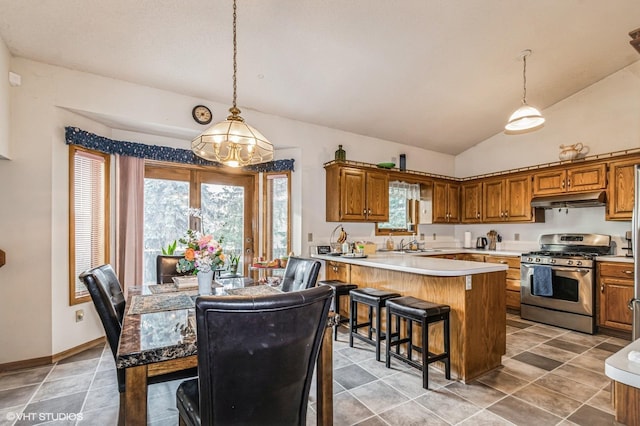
point(440, 208)
point(493, 194)
point(551, 182)
point(377, 197)
point(614, 296)
point(453, 202)
point(352, 194)
point(620, 199)
point(471, 197)
point(518, 199)
point(587, 178)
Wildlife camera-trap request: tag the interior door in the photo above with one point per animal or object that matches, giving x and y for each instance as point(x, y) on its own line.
point(226, 204)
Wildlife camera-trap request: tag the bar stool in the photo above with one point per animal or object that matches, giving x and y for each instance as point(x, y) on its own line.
point(375, 299)
point(340, 288)
point(423, 313)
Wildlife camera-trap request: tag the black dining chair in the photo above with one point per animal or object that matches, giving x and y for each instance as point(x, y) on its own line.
point(166, 268)
point(106, 293)
point(300, 274)
point(256, 357)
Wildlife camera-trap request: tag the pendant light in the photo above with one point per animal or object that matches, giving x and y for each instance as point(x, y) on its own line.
point(526, 118)
point(233, 142)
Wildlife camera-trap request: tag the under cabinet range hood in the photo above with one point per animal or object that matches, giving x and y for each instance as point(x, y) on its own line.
point(563, 201)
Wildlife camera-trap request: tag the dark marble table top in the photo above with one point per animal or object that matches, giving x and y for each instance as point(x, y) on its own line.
point(163, 332)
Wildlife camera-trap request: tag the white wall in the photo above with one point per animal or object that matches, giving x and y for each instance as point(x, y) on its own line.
point(605, 117)
point(35, 316)
point(5, 101)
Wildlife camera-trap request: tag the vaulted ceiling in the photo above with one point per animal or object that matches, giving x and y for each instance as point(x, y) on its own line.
point(438, 74)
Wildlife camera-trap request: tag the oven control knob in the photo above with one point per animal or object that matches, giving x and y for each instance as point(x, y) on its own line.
point(552, 261)
point(529, 259)
point(538, 259)
point(579, 262)
point(569, 262)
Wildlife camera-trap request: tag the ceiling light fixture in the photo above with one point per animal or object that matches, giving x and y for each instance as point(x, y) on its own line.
point(233, 142)
point(526, 118)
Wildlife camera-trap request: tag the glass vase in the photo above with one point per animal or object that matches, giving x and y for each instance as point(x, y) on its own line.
point(205, 280)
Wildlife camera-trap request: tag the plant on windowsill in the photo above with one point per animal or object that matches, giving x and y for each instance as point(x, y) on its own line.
point(170, 249)
point(234, 259)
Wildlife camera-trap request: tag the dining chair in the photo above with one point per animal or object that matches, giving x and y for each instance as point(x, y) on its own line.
point(166, 268)
point(256, 357)
point(300, 274)
point(106, 293)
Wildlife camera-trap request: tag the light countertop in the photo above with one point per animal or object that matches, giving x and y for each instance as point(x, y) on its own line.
point(619, 368)
point(621, 259)
point(419, 263)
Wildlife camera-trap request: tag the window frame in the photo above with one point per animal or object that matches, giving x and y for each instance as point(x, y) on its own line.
point(267, 223)
point(75, 297)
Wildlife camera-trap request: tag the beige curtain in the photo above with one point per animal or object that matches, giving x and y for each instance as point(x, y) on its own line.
point(129, 220)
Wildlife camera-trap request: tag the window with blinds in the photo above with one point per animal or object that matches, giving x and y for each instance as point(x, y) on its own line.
point(89, 216)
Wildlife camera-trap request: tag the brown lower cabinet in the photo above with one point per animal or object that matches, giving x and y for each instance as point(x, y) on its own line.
point(513, 273)
point(615, 289)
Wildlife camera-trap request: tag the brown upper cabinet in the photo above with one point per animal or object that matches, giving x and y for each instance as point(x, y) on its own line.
point(446, 202)
point(471, 197)
point(508, 200)
point(356, 195)
point(620, 191)
point(588, 177)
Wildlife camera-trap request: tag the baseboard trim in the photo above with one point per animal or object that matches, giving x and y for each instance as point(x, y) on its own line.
point(47, 360)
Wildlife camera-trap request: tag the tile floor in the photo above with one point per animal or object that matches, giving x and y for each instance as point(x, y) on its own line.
point(549, 376)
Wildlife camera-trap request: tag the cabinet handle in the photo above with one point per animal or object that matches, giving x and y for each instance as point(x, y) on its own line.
point(506, 213)
point(369, 211)
point(628, 272)
point(562, 183)
point(478, 215)
point(364, 211)
point(502, 261)
point(602, 288)
point(568, 183)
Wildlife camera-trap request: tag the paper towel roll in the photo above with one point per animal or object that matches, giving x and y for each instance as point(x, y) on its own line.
point(467, 239)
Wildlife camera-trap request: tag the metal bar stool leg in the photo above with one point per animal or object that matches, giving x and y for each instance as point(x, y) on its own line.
point(353, 317)
point(425, 354)
point(447, 360)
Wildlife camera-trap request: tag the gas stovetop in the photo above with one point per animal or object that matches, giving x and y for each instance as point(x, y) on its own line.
point(569, 250)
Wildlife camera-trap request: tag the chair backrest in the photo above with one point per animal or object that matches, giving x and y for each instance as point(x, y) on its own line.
point(166, 268)
point(300, 274)
point(107, 297)
point(256, 355)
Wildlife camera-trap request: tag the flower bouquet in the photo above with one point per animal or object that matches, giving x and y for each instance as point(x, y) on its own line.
point(203, 253)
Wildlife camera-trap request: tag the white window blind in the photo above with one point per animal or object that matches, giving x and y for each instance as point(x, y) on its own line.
point(89, 213)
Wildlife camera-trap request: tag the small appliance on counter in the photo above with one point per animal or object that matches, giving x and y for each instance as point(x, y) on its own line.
point(481, 243)
point(629, 247)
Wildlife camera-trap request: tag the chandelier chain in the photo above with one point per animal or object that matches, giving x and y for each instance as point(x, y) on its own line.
point(235, 53)
point(524, 79)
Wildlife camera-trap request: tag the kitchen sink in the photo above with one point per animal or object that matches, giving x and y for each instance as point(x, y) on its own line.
point(410, 251)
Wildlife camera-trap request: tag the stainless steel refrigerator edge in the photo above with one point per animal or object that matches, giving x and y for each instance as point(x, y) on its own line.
point(634, 303)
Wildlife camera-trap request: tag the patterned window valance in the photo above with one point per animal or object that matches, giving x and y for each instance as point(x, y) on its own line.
point(76, 136)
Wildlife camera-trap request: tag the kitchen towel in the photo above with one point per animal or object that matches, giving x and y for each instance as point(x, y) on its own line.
point(542, 284)
point(467, 239)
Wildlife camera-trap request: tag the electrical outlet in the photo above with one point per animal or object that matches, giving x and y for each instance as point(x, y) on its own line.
point(79, 315)
point(421, 237)
point(434, 236)
point(467, 281)
point(516, 237)
point(310, 237)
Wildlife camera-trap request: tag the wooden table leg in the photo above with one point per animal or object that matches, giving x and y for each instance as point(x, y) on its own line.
point(135, 410)
point(324, 379)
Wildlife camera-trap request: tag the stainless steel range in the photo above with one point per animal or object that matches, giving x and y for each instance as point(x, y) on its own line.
point(558, 282)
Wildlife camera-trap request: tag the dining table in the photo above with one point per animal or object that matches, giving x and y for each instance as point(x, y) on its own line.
point(158, 337)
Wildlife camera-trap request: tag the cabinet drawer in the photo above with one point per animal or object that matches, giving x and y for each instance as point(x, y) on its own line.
point(513, 262)
point(513, 285)
point(616, 270)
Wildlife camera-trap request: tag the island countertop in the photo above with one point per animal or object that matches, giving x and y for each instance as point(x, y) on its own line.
point(421, 265)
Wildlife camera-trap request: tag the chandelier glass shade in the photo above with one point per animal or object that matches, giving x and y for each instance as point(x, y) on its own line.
point(526, 118)
point(233, 142)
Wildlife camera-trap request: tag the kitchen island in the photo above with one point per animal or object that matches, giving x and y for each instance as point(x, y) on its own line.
point(475, 292)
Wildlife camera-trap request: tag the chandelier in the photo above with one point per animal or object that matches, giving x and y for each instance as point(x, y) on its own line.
point(526, 118)
point(233, 142)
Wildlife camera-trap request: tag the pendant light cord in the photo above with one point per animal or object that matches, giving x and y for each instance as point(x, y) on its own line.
point(524, 79)
point(235, 53)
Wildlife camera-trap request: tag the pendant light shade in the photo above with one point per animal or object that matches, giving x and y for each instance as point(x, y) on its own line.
point(233, 142)
point(526, 118)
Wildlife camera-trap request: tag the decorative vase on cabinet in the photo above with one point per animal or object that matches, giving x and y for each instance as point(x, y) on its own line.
point(341, 154)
